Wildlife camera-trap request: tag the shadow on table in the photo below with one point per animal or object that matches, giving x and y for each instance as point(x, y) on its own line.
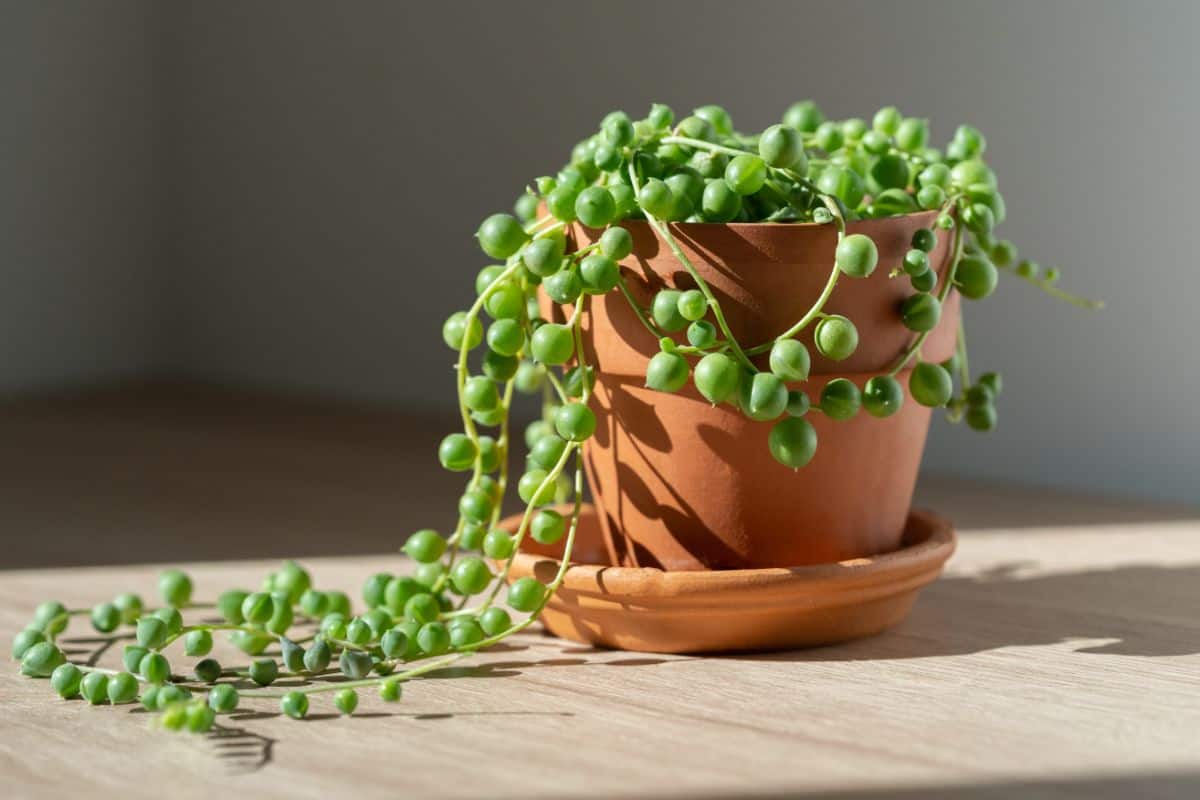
point(1149, 786)
point(1146, 610)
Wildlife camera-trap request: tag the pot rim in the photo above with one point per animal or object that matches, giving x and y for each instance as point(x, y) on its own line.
point(799, 226)
point(930, 542)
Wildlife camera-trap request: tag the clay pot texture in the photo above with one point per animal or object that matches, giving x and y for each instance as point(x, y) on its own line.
point(647, 609)
point(682, 485)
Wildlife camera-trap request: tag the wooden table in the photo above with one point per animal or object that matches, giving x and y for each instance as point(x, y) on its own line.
point(1058, 657)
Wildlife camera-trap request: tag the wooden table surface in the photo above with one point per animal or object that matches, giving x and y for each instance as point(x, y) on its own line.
point(1058, 657)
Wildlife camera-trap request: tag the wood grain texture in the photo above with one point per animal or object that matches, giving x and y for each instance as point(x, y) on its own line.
point(1058, 657)
point(1052, 661)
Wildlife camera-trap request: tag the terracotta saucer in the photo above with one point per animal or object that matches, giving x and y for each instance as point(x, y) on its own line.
point(649, 610)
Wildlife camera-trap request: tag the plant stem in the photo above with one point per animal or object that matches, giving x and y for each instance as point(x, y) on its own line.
point(186, 629)
point(947, 285)
point(339, 685)
point(636, 309)
point(964, 369)
point(555, 471)
point(460, 380)
point(564, 564)
point(664, 231)
point(502, 448)
point(816, 309)
point(1052, 290)
point(700, 144)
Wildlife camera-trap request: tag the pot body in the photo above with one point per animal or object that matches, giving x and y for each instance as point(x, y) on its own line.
point(682, 485)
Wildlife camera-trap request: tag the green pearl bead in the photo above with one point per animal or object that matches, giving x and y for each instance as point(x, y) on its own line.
point(595, 207)
point(394, 643)
point(41, 660)
point(552, 344)
point(495, 621)
point(599, 273)
point(746, 174)
point(930, 385)
point(172, 618)
point(920, 312)
point(94, 688)
point(24, 640)
point(533, 488)
point(130, 606)
point(526, 594)
point(175, 588)
point(66, 679)
point(667, 372)
point(547, 527)
point(149, 697)
point(981, 418)
point(105, 618)
point(498, 544)
point(840, 399)
point(122, 688)
point(763, 397)
point(294, 705)
point(258, 608)
point(664, 310)
point(717, 377)
point(501, 235)
point(389, 691)
point(470, 576)
point(174, 719)
point(575, 422)
point(781, 146)
point(318, 656)
point(856, 255)
point(804, 116)
point(264, 671)
point(208, 670)
point(424, 546)
point(354, 664)
point(200, 719)
point(457, 332)
point(51, 617)
point(433, 638)
point(836, 337)
point(882, 395)
point(616, 243)
point(198, 643)
point(422, 608)
point(346, 701)
point(151, 632)
point(793, 442)
point(976, 277)
point(229, 605)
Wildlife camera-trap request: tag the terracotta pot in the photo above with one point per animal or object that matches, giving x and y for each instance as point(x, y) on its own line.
point(683, 485)
point(643, 608)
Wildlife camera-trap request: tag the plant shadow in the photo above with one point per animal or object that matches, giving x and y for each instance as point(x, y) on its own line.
point(1146, 610)
point(243, 750)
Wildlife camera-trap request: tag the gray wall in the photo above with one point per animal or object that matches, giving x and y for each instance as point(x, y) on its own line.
point(328, 163)
point(79, 295)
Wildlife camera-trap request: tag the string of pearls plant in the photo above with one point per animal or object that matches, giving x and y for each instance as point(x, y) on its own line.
point(804, 170)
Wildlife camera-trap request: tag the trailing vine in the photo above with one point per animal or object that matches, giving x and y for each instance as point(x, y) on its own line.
point(804, 170)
